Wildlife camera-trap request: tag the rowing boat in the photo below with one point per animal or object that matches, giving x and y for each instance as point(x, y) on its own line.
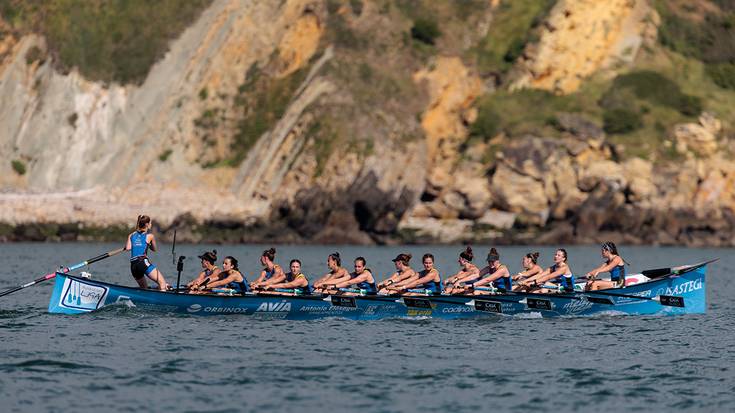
point(680, 291)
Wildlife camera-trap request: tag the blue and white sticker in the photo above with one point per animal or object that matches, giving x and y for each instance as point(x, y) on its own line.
point(79, 295)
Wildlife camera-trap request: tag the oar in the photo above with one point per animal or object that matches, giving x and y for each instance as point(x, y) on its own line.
point(662, 272)
point(64, 270)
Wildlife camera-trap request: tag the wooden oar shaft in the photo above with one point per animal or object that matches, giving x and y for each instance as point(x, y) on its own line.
point(63, 270)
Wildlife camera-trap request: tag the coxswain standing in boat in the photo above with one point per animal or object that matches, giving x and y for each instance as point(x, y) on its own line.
point(530, 269)
point(498, 277)
point(467, 274)
point(429, 281)
point(230, 277)
point(337, 274)
point(272, 273)
point(559, 276)
point(361, 280)
point(614, 263)
point(294, 283)
point(210, 271)
point(138, 244)
point(404, 275)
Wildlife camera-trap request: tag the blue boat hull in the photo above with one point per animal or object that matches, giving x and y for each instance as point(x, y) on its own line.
point(74, 295)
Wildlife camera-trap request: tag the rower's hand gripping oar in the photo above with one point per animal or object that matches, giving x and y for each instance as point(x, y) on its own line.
point(64, 270)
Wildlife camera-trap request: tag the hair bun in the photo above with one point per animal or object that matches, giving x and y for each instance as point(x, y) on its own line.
point(272, 250)
point(493, 251)
point(336, 254)
point(535, 255)
point(214, 252)
point(408, 257)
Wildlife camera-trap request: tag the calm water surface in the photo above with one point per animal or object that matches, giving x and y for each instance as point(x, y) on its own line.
point(126, 360)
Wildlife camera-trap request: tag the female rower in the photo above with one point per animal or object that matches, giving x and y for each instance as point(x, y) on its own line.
point(559, 274)
point(614, 263)
point(336, 275)
point(362, 279)
point(404, 274)
point(209, 270)
point(498, 279)
point(229, 277)
point(429, 281)
point(467, 274)
point(272, 273)
point(138, 244)
point(294, 283)
point(530, 269)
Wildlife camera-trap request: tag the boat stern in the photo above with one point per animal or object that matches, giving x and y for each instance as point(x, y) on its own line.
point(75, 296)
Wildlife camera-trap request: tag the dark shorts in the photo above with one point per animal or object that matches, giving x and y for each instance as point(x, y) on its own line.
point(140, 267)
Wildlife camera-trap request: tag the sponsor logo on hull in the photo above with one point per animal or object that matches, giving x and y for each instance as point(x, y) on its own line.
point(80, 295)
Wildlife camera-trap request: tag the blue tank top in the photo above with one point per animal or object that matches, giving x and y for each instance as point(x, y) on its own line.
point(367, 286)
point(138, 245)
point(566, 282)
point(617, 273)
point(504, 283)
point(239, 286)
point(434, 286)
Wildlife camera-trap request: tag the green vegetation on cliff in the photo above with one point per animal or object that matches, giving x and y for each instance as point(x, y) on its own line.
point(510, 30)
point(108, 40)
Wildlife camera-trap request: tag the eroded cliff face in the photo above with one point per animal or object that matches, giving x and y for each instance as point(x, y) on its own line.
point(319, 121)
point(581, 37)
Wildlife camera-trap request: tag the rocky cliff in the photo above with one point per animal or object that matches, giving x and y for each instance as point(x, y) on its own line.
point(529, 121)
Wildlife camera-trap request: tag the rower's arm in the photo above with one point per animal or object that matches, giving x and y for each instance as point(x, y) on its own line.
point(342, 283)
point(128, 244)
point(454, 278)
point(551, 275)
point(260, 278)
point(152, 242)
point(485, 271)
point(275, 279)
point(405, 278)
point(297, 283)
point(230, 278)
point(536, 277)
point(606, 266)
point(430, 276)
point(322, 280)
point(195, 282)
point(502, 272)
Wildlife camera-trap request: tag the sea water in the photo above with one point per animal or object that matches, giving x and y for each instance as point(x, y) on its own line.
point(124, 359)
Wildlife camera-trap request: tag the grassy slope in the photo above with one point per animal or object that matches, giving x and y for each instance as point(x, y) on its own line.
point(107, 40)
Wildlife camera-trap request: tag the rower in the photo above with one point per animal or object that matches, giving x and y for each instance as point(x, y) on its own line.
point(530, 269)
point(272, 273)
point(498, 277)
point(294, 283)
point(138, 244)
point(558, 276)
point(614, 264)
point(230, 277)
point(404, 274)
point(467, 274)
point(361, 281)
point(429, 281)
point(209, 270)
point(336, 274)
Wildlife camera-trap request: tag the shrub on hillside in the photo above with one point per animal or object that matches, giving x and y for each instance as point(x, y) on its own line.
point(18, 166)
point(621, 120)
point(425, 30)
point(487, 123)
point(723, 74)
point(652, 87)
